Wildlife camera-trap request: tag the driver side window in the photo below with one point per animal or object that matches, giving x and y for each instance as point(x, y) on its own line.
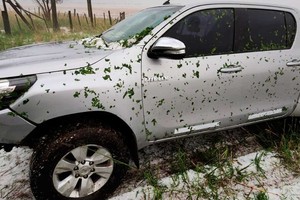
point(206, 32)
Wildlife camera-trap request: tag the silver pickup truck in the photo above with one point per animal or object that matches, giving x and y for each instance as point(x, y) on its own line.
point(171, 71)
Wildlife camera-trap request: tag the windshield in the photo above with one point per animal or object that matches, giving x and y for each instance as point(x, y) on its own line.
point(145, 20)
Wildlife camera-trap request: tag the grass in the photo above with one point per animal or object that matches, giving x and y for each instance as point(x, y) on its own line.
point(283, 137)
point(216, 181)
point(22, 35)
point(217, 174)
point(261, 196)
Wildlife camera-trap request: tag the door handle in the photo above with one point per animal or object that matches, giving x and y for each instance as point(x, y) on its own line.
point(231, 69)
point(293, 63)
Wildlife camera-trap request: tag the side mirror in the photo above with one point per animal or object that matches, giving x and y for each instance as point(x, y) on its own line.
point(167, 47)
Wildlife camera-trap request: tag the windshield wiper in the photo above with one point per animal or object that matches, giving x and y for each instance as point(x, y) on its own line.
point(104, 41)
point(98, 36)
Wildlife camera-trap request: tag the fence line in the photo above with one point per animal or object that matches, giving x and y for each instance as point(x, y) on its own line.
point(90, 17)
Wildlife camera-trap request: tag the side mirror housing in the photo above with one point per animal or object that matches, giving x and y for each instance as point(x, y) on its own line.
point(167, 47)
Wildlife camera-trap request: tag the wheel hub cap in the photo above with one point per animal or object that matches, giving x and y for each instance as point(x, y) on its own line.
point(83, 171)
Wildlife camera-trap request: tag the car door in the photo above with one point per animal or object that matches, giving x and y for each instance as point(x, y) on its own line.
point(263, 48)
point(239, 68)
point(191, 95)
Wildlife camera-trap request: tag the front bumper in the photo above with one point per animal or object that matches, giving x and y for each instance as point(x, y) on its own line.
point(13, 128)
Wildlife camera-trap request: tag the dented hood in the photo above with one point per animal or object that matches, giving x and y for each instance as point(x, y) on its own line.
point(48, 57)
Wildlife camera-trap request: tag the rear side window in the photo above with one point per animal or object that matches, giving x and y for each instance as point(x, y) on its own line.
point(262, 30)
point(291, 29)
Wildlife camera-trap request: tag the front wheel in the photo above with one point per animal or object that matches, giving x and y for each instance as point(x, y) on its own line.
point(84, 164)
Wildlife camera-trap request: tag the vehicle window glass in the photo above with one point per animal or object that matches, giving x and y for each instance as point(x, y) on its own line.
point(261, 30)
point(291, 29)
point(206, 32)
point(138, 23)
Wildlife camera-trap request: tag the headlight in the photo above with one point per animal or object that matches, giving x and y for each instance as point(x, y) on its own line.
point(12, 89)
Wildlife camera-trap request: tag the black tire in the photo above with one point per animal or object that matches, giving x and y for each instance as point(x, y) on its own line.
point(46, 158)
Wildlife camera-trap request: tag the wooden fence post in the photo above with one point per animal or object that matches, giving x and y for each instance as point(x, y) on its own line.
point(79, 22)
point(54, 16)
point(70, 20)
point(86, 19)
point(95, 20)
point(110, 20)
point(5, 18)
point(122, 16)
point(90, 11)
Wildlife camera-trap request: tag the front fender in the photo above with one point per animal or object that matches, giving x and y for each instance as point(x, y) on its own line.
point(112, 85)
point(296, 112)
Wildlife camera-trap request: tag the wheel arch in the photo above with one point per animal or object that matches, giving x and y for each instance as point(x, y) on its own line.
point(42, 130)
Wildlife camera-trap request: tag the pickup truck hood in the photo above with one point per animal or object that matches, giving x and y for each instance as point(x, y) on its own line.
point(47, 57)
